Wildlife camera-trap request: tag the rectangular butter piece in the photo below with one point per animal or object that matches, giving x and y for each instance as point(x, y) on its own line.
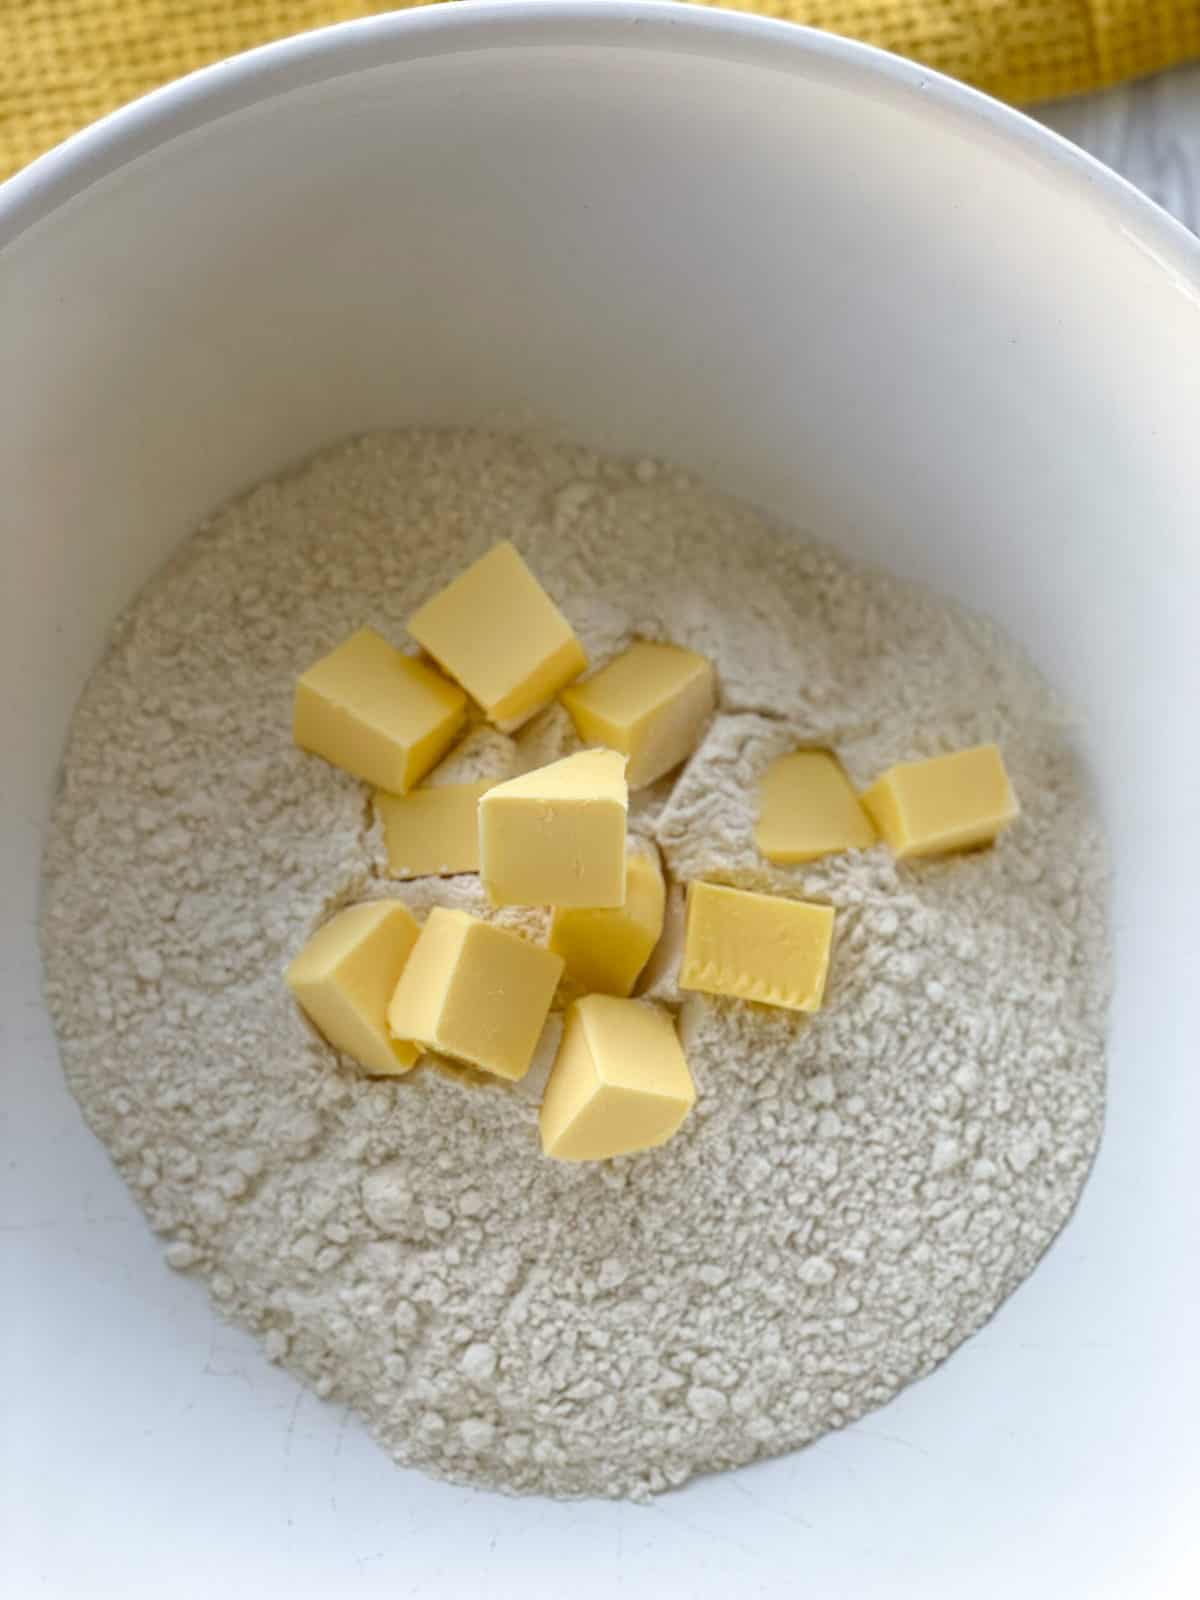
point(756, 947)
point(477, 993)
point(605, 950)
point(431, 832)
point(651, 703)
point(954, 802)
point(619, 1083)
point(347, 973)
point(807, 808)
point(556, 836)
point(498, 633)
point(376, 713)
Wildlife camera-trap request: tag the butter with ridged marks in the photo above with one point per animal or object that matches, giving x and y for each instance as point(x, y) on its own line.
point(756, 947)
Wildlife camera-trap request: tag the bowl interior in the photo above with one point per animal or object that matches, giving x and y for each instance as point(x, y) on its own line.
point(857, 296)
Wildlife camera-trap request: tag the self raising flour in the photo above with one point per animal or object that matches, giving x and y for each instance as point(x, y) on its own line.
point(853, 1194)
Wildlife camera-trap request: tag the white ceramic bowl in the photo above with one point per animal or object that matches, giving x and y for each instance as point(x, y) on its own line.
point(829, 281)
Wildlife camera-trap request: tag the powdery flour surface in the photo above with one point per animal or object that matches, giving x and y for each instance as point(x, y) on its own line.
point(854, 1193)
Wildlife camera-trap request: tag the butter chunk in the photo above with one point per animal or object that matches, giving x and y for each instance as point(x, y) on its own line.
point(346, 975)
point(605, 950)
point(477, 993)
point(376, 713)
point(756, 947)
point(926, 808)
point(431, 831)
point(619, 1083)
point(808, 809)
point(651, 703)
point(556, 836)
point(497, 631)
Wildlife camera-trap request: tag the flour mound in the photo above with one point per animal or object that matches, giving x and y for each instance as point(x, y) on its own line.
point(853, 1195)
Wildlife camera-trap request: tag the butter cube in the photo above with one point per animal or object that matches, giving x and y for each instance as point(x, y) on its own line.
point(477, 993)
point(497, 631)
point(651, 703)
point(346, 975)
point(619, 1082)
point(926, 808)
point(373, 711)
point(756, 947)
point(431, 832)
point(605, 950)
point(556, 836)
point(808, 809)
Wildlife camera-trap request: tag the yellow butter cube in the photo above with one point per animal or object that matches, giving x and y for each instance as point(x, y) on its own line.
point(605, 950)
point(756, 947)
point(431, 832)
point(807, 808)
point(477, 993)
point(556, 836)
point(373, 711)
point(346, 975)
point(926, 808)
point(651, 703)
point(497, 631)
point(619, 1082)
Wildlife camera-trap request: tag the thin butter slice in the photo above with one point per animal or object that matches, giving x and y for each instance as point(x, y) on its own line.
point(431, 832)
point(808, 809)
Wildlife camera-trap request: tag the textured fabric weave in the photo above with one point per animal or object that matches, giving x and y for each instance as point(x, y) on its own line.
point(65, 62)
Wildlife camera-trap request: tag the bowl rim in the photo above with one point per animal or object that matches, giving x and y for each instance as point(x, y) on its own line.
point(320, 55)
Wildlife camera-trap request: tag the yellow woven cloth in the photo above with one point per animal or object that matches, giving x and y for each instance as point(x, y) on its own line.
point(65, 62)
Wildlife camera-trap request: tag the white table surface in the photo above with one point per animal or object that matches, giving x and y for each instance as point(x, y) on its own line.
point(1149, 132)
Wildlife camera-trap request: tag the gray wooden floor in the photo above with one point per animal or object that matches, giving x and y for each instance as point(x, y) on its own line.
point(1148, 131)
